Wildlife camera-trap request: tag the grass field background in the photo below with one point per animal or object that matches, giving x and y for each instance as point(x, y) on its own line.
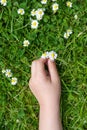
point(19, 109)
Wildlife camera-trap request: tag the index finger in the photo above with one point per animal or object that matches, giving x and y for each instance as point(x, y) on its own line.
point(38, 67)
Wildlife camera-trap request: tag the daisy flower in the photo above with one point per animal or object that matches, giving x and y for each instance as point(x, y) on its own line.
point(55, 7)
point(21, 11)
point(69, 4)
point(34, 24)
point(26, 43)
point(3, 71)
point(3, 2)
point(8, 73)
point(76, 16)
point(33, 12)
point(39, 14)
point(45, 55)
point(66, 35)
point(69, 31)
point(43, 1)
point(52, 55)
point(14, 81)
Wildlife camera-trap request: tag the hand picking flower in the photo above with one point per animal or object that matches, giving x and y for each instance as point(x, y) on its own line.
point(51, 55)
point(45, 55)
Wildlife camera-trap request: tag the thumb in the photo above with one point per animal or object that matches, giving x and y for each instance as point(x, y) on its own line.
point(53, 71)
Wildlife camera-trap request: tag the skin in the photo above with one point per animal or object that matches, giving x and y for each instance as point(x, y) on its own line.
point(46, 87)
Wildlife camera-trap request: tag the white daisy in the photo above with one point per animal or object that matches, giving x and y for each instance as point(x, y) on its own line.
point(43, 1)
point(45, 55)
point(26, 43)
point(14, 81)
point(34, 24)
point(76, 16)
point(69, 4)
point(8, 73)
point(21, 11)
point(3, 2)
point(52, 55)
point(55, 7)
point(3, 71)
point(39, 14)
point(66, 35)
point(33, 12)
point(69, 31)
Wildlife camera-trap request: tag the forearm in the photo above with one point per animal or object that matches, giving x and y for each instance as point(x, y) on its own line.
point(50, 118)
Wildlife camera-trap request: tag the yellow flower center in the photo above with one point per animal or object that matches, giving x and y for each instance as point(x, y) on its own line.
point(4, 1)
point(40, 12)
point(52, 55)
point(68, 30)
point(26, 43)
point(21, 11)
point(69, 3)
point(33, 12)
point(9, 73)
point(44, 0)
point(44, 55)
point(67, 34)
point(13, 80)
point(34, 23)
point(55, 7)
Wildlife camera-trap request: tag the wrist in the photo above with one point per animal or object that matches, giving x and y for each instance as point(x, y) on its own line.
point(51, 116)
point(55, 107)
point(50, 104)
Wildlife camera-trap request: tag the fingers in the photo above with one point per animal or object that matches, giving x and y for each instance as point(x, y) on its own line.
point(38, 67)
point(53, 71)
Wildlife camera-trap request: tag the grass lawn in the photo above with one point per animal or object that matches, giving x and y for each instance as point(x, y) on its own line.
point(19, 109)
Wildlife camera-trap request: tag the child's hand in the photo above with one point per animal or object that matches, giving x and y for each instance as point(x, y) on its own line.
point(45, 83)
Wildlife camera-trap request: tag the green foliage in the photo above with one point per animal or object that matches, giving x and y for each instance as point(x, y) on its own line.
point(18, 107)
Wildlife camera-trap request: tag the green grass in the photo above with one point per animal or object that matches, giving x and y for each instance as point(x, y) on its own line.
point(19, 109)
